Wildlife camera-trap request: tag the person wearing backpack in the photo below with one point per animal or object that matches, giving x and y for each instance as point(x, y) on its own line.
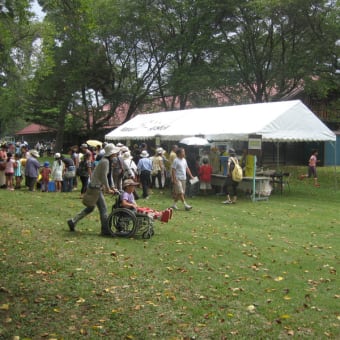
point(233, 179)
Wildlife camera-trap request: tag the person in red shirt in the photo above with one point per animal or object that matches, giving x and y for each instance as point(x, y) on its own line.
point(204, 173)
point(45, 176)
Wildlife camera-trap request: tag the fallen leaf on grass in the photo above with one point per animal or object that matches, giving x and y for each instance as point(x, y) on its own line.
point(5, 306)
point(279, 278)
point(97, 327)
point(251, 309)
point(138, 307)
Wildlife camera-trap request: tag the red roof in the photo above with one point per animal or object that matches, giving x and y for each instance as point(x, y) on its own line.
point(34, 129)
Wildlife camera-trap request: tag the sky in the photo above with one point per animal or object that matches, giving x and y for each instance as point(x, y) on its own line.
point(37, 10)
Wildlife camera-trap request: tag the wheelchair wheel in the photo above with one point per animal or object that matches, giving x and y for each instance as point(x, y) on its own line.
point(122, 222)
point(148, 234)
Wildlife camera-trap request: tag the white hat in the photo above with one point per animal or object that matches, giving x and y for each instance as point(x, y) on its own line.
point(126, 155)
point(160, 150)
point(57, 155)
point(34, 153)
point(124, 149)
point(144, 154)
point(120, 145)
point(110, 149)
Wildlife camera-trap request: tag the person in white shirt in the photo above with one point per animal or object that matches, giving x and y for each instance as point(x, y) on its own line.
point(179, 171)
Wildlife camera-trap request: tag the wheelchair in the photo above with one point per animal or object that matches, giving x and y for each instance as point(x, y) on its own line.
point(123, 222)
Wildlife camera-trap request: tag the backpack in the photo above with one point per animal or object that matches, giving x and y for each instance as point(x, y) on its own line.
point(237, 173)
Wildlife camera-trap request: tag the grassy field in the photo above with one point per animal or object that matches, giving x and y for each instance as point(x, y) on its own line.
point(265, 270)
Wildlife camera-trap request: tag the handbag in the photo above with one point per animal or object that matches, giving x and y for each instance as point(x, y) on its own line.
point(91, 197)
point(70, 172)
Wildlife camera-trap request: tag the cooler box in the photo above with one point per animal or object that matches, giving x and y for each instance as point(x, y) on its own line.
point(51, 186)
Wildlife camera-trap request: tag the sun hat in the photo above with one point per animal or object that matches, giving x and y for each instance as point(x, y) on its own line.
point(126, 155)
point(46, 164)
point(120, 145)
point(57, 155)
point(110, 149)
point(129, 182)
point(124, 149)
point(144, 154)
point(34, 153)
point(159, 150)
point(84, 145)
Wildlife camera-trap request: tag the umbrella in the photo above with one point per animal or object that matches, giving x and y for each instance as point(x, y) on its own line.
point(94, 143)
point(194, 141)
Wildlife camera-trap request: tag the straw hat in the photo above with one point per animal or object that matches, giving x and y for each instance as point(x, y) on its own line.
point(129, 182)
point(34, 153)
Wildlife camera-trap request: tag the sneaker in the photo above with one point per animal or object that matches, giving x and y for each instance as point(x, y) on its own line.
point(174, 207)
point(71, 224)
point(227, 202)
point(188, 207)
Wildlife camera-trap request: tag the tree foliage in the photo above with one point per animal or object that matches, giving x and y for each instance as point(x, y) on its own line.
point(136, 53)
point(16, 54)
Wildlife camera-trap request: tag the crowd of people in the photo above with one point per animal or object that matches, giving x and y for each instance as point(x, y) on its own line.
point(20, 168)
point(109, 167)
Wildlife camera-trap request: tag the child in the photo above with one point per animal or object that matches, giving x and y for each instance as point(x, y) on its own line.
point(128, 202)
point(45, 176)
point(57, 171)
point(9, 171)
point(204, 173)
point(17, 171)
point(313, 160)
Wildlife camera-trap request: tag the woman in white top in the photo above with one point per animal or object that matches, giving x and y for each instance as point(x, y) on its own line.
point(57, 171)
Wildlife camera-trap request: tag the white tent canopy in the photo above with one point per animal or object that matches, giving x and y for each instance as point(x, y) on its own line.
point(288, 121)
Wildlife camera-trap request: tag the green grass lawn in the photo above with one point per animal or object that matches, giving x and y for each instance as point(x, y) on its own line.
point(251, 270)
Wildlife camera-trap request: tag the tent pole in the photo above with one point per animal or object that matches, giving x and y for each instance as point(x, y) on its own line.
point(278, 156)
point(335, 178)
point(254, 183)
